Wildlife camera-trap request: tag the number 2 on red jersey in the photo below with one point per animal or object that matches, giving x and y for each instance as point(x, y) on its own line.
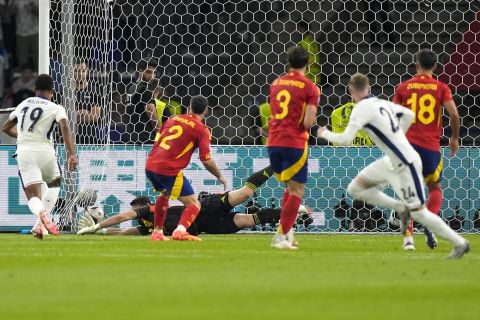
point(176, 132)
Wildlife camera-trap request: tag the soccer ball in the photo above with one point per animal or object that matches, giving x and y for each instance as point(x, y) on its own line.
point(303, 210)
point(96, 213)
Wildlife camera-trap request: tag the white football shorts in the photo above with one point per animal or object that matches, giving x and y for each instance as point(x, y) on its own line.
point(35, 167)
point(406, 179)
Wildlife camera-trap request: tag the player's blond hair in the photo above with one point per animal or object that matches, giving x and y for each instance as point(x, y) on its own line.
point(359, 82)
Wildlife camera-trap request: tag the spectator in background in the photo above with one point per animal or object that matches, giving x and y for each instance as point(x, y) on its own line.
point(140, 127)
point(8, 28)
point(172, 101)
point(3, 56)
point(26, 18)
point(3, 67)
point(261, 121)
point(157, 110)
point(308, 43)
point(26, 81)
point(88, 110)
point(23, 87)
point(339, 120)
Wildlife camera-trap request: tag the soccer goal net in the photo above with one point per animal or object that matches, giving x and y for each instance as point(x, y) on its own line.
point(122, 66)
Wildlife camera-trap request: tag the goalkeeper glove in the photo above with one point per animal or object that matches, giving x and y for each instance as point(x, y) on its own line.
point(90, 229)
point(86, 221)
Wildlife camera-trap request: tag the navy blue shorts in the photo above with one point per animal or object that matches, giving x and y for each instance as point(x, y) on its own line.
point(432, 163)
point(289, 163)
point(175, 186)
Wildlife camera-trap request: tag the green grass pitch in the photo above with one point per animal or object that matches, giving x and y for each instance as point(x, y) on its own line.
point(235, 277)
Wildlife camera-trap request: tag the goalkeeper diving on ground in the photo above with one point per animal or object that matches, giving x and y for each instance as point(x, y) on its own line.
point(217, 215)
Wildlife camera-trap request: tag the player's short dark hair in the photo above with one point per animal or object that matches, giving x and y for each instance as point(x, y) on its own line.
point(426, 59)
point(359, 81)
point(140, 201)
point(297, 57)
point(44, 83)
point(198, 104)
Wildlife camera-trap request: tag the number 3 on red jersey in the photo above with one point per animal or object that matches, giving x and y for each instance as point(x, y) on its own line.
point(283, 97)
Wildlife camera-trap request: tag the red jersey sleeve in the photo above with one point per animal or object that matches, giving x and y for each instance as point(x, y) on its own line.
point(313, 95)
point(204, 145)
point(447, 93)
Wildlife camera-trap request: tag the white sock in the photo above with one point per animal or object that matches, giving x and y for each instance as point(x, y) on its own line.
point(181, 228)
point(375, 197)
point(437, 225)
point(49, 198)
point(35, 205)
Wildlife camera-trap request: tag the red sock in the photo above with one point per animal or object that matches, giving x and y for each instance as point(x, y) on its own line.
point(161, 206)
point(434, 202)
point(289, 213)
point(286, 194)
point(188, 215)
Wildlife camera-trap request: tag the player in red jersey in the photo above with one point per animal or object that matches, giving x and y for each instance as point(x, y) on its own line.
point(294, 103)
point(425, 96)
point(179, 137)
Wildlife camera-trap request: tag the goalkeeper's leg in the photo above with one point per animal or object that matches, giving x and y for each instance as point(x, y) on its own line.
point(257, 179)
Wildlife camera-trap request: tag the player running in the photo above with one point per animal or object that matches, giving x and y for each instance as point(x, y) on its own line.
point(32, 123)
point(401, 167)
point(294, 103)
point(179, 137)
point(216, 214)
point(425, 96)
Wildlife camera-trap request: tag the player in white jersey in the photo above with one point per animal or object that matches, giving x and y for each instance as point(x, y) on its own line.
point(400, 167)
point(32, 123)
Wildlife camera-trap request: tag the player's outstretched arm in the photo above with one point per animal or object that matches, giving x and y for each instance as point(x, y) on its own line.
point(345, 138)
point(69, 146)
point(211, 166)
point(111, 221)
point(118, 218)
point(10, 128)
point(454, 124)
